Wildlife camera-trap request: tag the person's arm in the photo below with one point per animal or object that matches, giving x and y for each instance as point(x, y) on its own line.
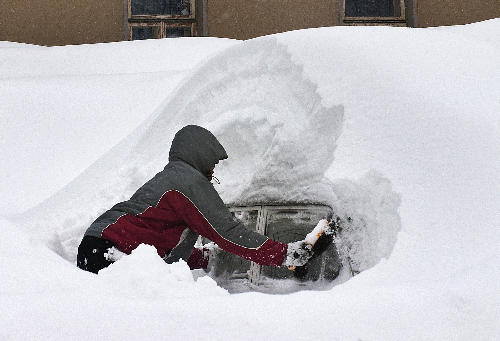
point(204, 213)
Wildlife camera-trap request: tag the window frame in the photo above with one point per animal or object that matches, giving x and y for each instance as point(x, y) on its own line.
point(142, 24)
point(192, 13)
point(163, 21)
point(255, 272)
point(162, 27)
point(392, 20)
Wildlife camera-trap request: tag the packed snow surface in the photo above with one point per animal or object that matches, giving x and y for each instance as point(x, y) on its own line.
point(397, 129)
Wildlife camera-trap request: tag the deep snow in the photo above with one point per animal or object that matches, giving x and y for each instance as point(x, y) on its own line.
point(64, 107)
point(403, 122)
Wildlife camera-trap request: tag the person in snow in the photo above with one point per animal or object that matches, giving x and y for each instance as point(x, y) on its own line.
point(177, 205)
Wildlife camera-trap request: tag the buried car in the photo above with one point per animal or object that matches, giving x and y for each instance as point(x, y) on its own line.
point(285, 222)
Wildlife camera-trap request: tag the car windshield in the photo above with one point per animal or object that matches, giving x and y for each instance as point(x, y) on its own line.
point(284, 223)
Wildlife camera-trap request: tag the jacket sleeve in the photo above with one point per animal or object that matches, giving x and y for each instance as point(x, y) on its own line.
point(184, 247)
point(204, 213)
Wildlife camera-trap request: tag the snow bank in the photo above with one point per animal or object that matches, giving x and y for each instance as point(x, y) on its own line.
point(143, 274)
point(420, 108)
point(29, 268)
point(143, 56)
point(257, 102)
point(63, 107)
point(9, 44)
point(368, 208)
point(279, 137)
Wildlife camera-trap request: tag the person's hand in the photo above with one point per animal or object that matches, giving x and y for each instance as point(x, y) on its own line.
point(315, 242)
point(298, 253)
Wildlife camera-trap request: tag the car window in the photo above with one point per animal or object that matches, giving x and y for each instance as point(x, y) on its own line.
point(289, 224)
point(284, 223)
point(228, 265)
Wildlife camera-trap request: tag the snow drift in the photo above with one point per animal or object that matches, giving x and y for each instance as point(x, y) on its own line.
point(420, 109)
point(266, 114)
point(64, 107)
point(279, 137)
point(143, 274)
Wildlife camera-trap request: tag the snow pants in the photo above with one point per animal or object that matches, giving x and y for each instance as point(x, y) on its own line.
point(91, 254)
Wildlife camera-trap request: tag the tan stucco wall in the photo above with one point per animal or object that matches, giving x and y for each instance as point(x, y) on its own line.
point(244, 19)
point(61, 22)
point(455, 12)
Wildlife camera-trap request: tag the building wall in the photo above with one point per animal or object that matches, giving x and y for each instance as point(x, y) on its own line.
point(61, 22)
point(244, 19)
point(455, 12)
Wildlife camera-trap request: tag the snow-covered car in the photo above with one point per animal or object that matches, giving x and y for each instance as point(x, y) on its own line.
point(284, 222)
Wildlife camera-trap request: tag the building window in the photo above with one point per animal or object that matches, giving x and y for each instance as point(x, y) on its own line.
point(153, 19)
point(161, 7)
point(373, 12)
point(140, 31)
point(179, 31)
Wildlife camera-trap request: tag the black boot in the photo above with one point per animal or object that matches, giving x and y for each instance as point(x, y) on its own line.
point(91, 254)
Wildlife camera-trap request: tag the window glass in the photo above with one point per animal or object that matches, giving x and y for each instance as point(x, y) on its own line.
point(289, 225)
point(247, 217)
point(160, 7)
point(232, 266)
point(284, 224)
point(371, 8)
point(176, 32)
point(143, 32)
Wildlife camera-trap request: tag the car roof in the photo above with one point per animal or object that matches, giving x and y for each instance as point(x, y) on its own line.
point(277, 203)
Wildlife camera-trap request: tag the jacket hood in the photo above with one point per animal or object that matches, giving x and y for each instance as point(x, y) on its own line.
point(198, 147)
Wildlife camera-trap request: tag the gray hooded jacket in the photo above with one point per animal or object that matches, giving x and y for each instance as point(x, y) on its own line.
point(180, 203)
